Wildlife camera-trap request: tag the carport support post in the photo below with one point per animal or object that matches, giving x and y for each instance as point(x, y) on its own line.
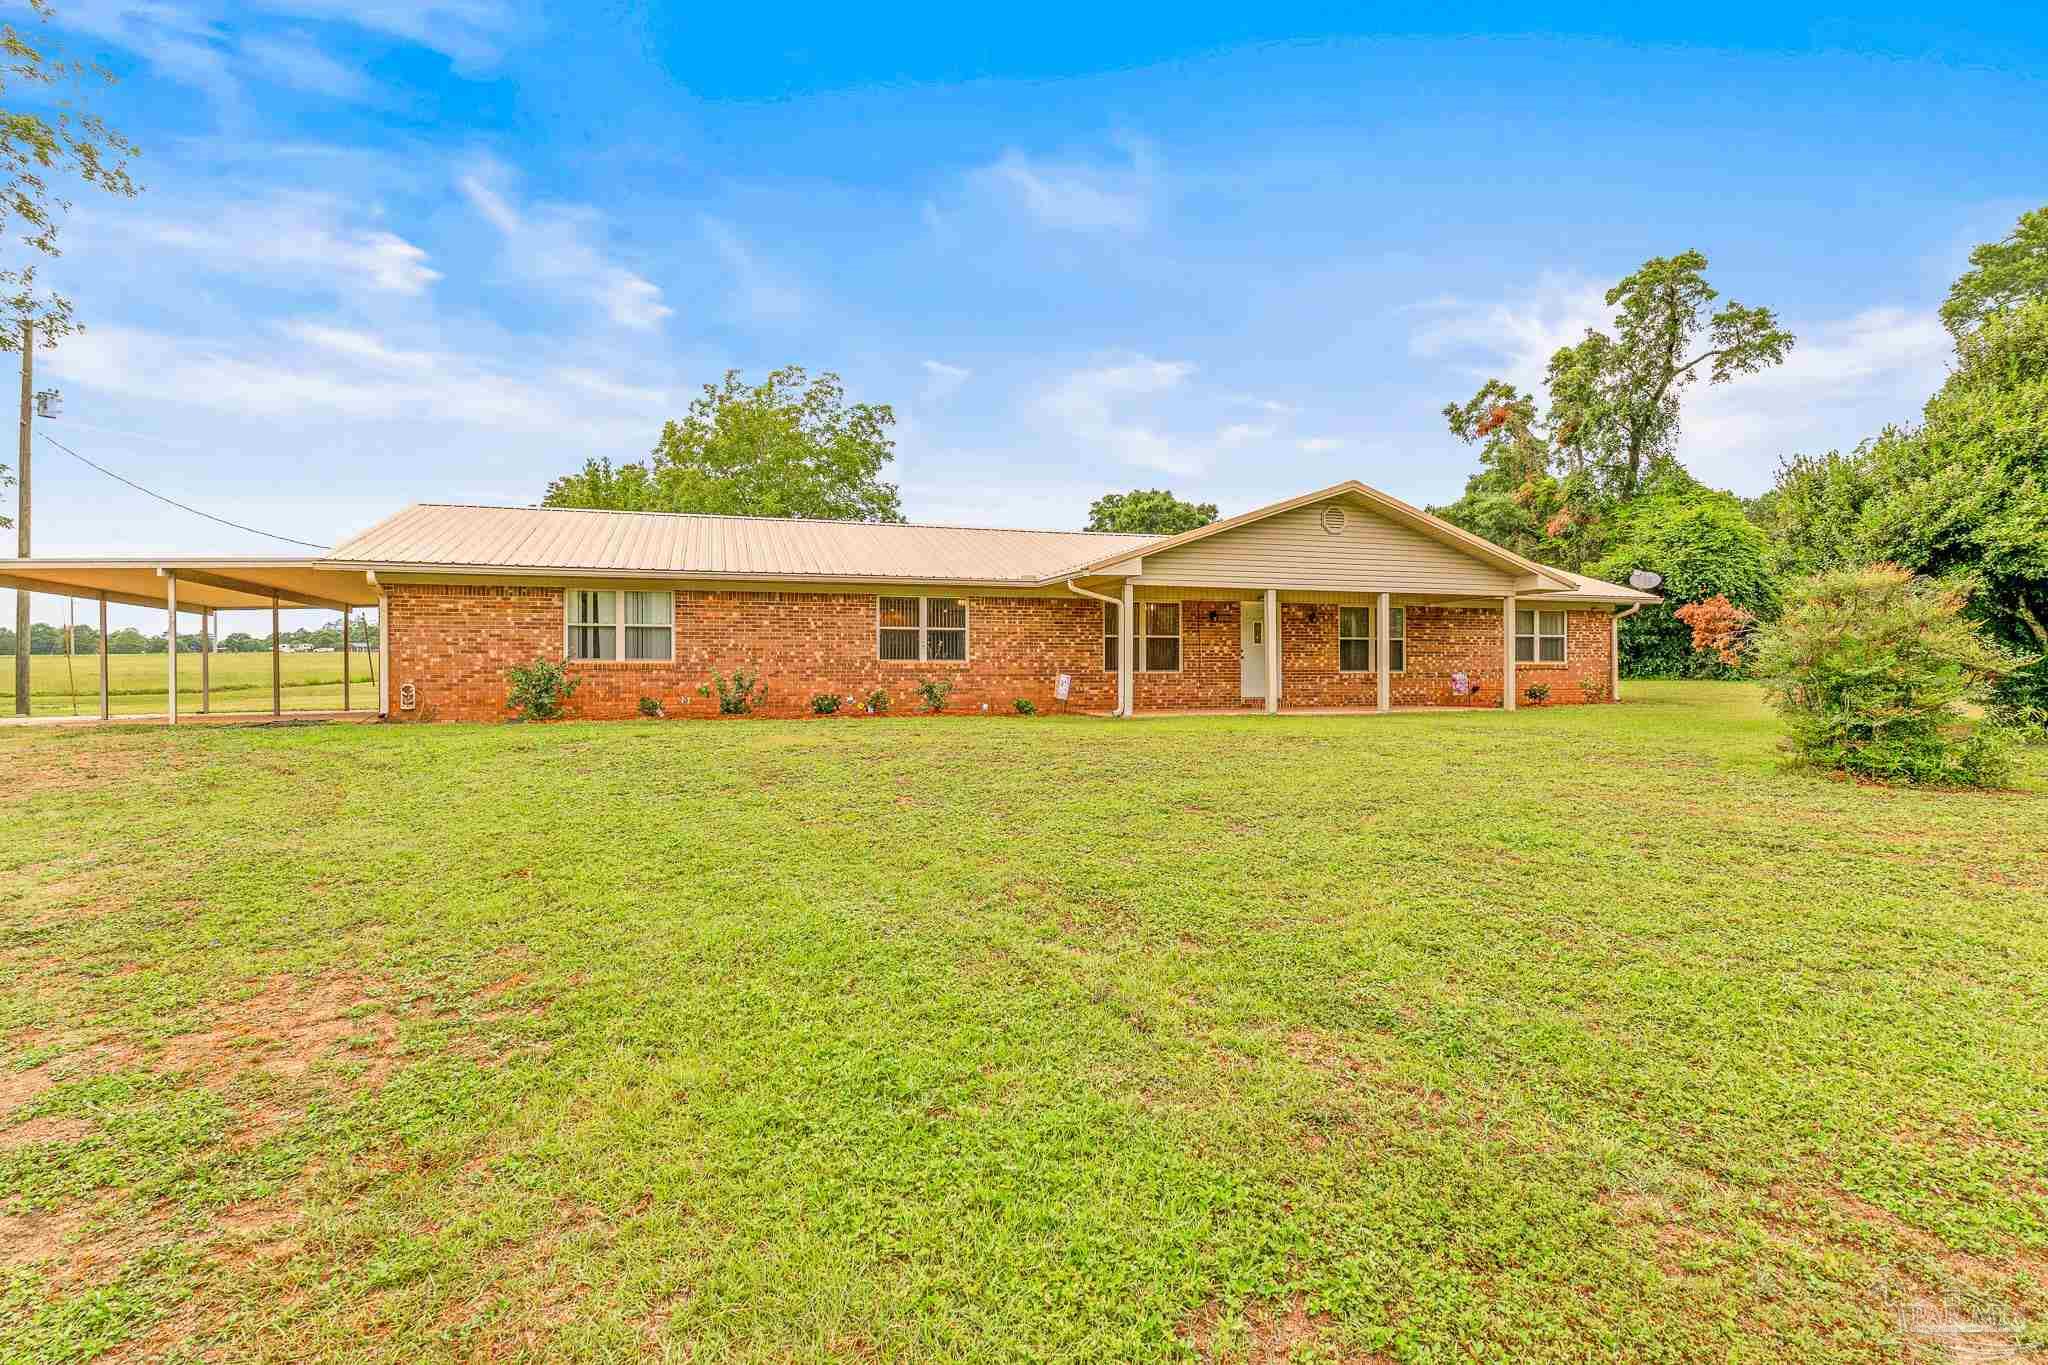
point(276, 663)
point(171, 644)
point(1272, 651)
point(1383, 650)
point(344, 658)
point(1507, 653)
point(1126, 651)
point(205, 661)
point(103, 656)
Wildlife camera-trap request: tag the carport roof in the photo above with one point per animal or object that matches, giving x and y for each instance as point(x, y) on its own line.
point(216, 584)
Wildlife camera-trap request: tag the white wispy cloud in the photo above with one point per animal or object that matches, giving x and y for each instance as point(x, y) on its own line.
point(295, 59)
point(1078, 196)
point(942, 381)
point(1141, 411)
point(550, 245)
point(471, 33)
point(759, 292)
point(1321, 445)
point(303, 236)
point(1515, 337)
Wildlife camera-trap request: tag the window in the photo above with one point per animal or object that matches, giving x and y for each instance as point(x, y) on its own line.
point(1539, 637)
point(921, 629)
point(605, 625)
point(1355, 639)
point(1159, 650)
point(1109, 636)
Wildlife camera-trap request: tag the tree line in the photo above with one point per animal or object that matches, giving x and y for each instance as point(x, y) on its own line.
point(49, 639)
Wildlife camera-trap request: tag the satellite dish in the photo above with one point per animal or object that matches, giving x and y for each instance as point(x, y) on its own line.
point(1642, 580)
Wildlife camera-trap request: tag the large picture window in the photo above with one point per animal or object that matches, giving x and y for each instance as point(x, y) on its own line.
point(1159, 644)
point(607, 624)
point(1539, 637)
point(921, 629)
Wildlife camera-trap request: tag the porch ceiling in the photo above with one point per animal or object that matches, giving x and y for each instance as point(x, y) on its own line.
point(215, 584)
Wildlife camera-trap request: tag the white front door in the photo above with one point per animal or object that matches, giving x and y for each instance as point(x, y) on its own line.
point(1252, 647)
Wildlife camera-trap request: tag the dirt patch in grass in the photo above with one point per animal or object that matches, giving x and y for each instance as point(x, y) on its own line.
point(285, 1029)
point(33, 1132)
point(1265, 1334)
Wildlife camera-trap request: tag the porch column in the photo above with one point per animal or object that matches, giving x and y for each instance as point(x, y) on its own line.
point(1126, 652)
point(103, 656)
point(1272, 651)
point(205, 661)
point(344, 658)
point(171, 644)
point(1614, 656)
point(276, 662)
point(1383, 650)
point(384, 655)
point(1507, 653)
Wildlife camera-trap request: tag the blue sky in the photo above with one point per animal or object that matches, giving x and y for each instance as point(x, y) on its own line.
point(397, 250)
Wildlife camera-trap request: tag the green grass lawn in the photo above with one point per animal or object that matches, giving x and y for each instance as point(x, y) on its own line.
point(1575, 1034)
point(137, 683)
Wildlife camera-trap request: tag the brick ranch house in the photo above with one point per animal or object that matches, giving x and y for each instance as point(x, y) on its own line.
point(1297, 605)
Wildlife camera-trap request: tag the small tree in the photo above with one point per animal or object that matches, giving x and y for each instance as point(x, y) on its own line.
point(1718, 627)
point(1868, 667)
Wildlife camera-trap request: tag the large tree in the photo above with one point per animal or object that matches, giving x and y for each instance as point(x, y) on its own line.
point(43, 149)
point(789, 446)
point(2003, 274)
point(1148, 512)
point(1551, 478)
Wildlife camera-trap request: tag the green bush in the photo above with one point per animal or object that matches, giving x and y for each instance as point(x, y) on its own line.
point(1025, 706)
point(738, 694)
point(1538, 693)
point(825, 704)
point(1704, 546)
point(878, 703)
point(651, 708)
point(1869, 667)
point(934, 691)
point(539, 690)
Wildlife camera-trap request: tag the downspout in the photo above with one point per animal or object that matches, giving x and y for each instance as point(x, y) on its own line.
point(1614, 649)
point(1123, 703)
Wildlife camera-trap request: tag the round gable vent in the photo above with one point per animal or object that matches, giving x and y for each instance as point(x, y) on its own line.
point(1333, 519)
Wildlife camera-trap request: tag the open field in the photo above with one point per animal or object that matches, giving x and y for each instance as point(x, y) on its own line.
point(135, 683)
point(1576, 1034)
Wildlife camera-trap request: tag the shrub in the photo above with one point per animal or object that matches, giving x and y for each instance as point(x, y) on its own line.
point(878, 703)
point(738, 694)
point(1868, 667)
point(1025, 706)
point(1705, 547)
point(1537, 692)
point(825, 704)
point(539, 690)
point(651, 708)
point(934, 692)
point(1718, 627)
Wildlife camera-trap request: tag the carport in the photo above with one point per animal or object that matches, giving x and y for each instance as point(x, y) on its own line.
point(207, 587)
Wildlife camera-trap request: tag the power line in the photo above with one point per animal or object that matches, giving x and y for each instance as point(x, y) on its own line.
point(183, 507)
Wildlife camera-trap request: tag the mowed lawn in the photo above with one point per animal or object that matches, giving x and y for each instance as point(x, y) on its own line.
point(1576, 1034)
point(138, 684)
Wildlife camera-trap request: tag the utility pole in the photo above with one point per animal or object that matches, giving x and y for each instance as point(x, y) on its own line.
point(21, 595)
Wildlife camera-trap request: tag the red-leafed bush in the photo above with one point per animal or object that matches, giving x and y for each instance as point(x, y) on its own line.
point(1719, 627)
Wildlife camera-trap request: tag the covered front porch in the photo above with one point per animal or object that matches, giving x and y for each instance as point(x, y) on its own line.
point(1187, 650)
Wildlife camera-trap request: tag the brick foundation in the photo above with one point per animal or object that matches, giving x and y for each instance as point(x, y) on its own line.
point(453, 643)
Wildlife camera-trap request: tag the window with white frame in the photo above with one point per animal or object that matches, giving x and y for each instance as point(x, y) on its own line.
point(921, 629)
point(1109, 636)
point(1539, 637)
point(607, 624)
point(1354, 639)
point(1159, 645)
point(1355, 643)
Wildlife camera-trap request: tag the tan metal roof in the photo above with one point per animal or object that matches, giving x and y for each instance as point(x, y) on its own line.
point(1588, 589)
point(503, 539)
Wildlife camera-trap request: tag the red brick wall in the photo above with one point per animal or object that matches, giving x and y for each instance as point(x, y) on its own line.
point(454, 643)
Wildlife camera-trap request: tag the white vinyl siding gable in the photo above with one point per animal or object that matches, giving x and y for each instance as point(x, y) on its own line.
point(1368, 553)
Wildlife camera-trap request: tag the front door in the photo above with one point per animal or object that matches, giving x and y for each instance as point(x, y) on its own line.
point(1252, 648)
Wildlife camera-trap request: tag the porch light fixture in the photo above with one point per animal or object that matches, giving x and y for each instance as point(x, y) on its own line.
point(1212, 613)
